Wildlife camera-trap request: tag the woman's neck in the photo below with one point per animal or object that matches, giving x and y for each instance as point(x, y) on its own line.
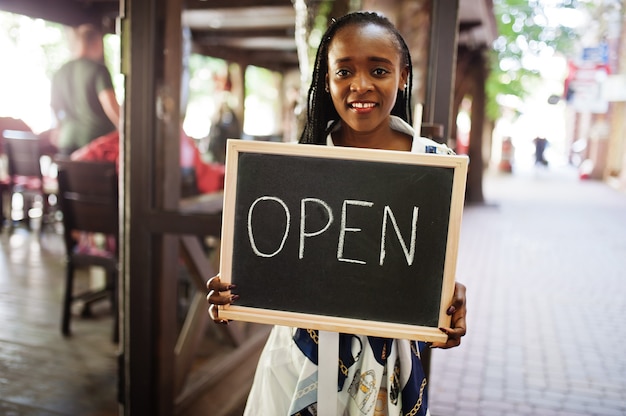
point(382, 138)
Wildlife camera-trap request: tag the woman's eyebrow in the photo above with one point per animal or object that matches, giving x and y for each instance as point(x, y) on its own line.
point(380, 59)
point(370, 58)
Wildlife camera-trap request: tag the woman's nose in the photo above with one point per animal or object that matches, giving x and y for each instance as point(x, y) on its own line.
point(360, 83)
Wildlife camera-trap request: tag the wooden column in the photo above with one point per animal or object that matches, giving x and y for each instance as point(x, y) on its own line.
point(151, 61)
point(442, 63)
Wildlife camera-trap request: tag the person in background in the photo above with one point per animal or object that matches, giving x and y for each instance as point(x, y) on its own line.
point(540, 148)
point(82, 95)
point(208, 177)
point(359, 97)
point(226, 126)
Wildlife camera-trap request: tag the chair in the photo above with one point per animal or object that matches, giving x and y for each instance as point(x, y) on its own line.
point(5, 187)
point(88, 199)
point(24, 158)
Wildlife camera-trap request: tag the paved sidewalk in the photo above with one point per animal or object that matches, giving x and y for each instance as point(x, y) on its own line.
point(544, 263)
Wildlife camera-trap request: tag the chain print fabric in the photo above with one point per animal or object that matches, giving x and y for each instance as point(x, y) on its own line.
point(405, 388)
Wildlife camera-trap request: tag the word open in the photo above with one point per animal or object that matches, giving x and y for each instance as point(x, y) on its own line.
point(345, 227)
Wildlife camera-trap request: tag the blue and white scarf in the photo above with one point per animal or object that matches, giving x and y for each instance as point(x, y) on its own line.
point(365, 365)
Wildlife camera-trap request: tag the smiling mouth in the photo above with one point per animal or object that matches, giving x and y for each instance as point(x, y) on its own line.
point(362, 106)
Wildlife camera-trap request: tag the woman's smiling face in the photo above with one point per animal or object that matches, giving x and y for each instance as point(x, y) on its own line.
point(365, 72)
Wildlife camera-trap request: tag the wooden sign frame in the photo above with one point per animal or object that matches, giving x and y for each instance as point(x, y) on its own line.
point(372, 327)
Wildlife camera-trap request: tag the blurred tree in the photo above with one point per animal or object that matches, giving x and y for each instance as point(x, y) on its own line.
point(527, 29)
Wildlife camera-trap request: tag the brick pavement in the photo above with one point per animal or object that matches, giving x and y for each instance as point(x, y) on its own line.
point(543, 261)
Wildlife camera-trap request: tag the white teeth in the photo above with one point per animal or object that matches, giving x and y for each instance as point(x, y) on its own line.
point(363, 105)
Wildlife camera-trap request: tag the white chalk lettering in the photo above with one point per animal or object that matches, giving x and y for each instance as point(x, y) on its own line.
point(251, 234)
point(306, 204)
point(303, 233)
point(408, 253)
point(344, 228)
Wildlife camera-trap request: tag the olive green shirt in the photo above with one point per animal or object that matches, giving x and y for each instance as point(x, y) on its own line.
point(74, 99)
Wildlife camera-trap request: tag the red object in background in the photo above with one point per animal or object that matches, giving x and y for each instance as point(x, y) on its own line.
point(506, 160)
point(209, 176)
point(104, 148)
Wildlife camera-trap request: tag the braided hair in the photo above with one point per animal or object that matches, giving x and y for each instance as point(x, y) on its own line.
point(320, 106)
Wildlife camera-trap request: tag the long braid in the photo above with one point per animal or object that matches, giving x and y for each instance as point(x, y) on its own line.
point(402, 107)
point(320, 106)
point(320, 109)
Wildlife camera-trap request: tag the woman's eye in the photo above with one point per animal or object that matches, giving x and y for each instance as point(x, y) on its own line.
point(380, 71)
point(342, 73)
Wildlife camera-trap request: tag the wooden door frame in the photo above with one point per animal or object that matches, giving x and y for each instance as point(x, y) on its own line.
point(152, 64)
point(442, 64)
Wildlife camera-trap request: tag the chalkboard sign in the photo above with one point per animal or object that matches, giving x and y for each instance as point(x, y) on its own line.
point(341, 239)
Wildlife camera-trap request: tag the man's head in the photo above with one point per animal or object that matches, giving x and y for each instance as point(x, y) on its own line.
point(86, 42)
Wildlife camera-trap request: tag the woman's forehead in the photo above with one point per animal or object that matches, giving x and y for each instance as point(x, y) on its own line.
point(358, 39)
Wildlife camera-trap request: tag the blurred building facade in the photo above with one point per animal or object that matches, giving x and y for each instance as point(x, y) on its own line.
point(595, 95)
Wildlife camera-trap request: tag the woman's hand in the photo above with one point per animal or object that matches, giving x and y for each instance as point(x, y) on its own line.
point(458, 326)
point(215, 298)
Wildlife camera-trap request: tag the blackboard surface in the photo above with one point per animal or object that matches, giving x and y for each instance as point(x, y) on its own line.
point(330, 237)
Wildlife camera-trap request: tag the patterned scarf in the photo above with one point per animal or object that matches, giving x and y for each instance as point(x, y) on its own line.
point(406, 391)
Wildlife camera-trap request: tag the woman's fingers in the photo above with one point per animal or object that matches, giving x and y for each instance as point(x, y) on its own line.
point(215, 283)
point(454, 337)
point(218, 295)
point(458, 298)
point(458, 326)
point(214, 314)
point(217, 291)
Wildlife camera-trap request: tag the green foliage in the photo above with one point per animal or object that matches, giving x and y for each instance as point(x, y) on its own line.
point(524, 29)
point(318, 23)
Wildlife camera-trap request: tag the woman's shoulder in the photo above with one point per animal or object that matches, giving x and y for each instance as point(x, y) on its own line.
point(420, 144)
point(425, 145)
